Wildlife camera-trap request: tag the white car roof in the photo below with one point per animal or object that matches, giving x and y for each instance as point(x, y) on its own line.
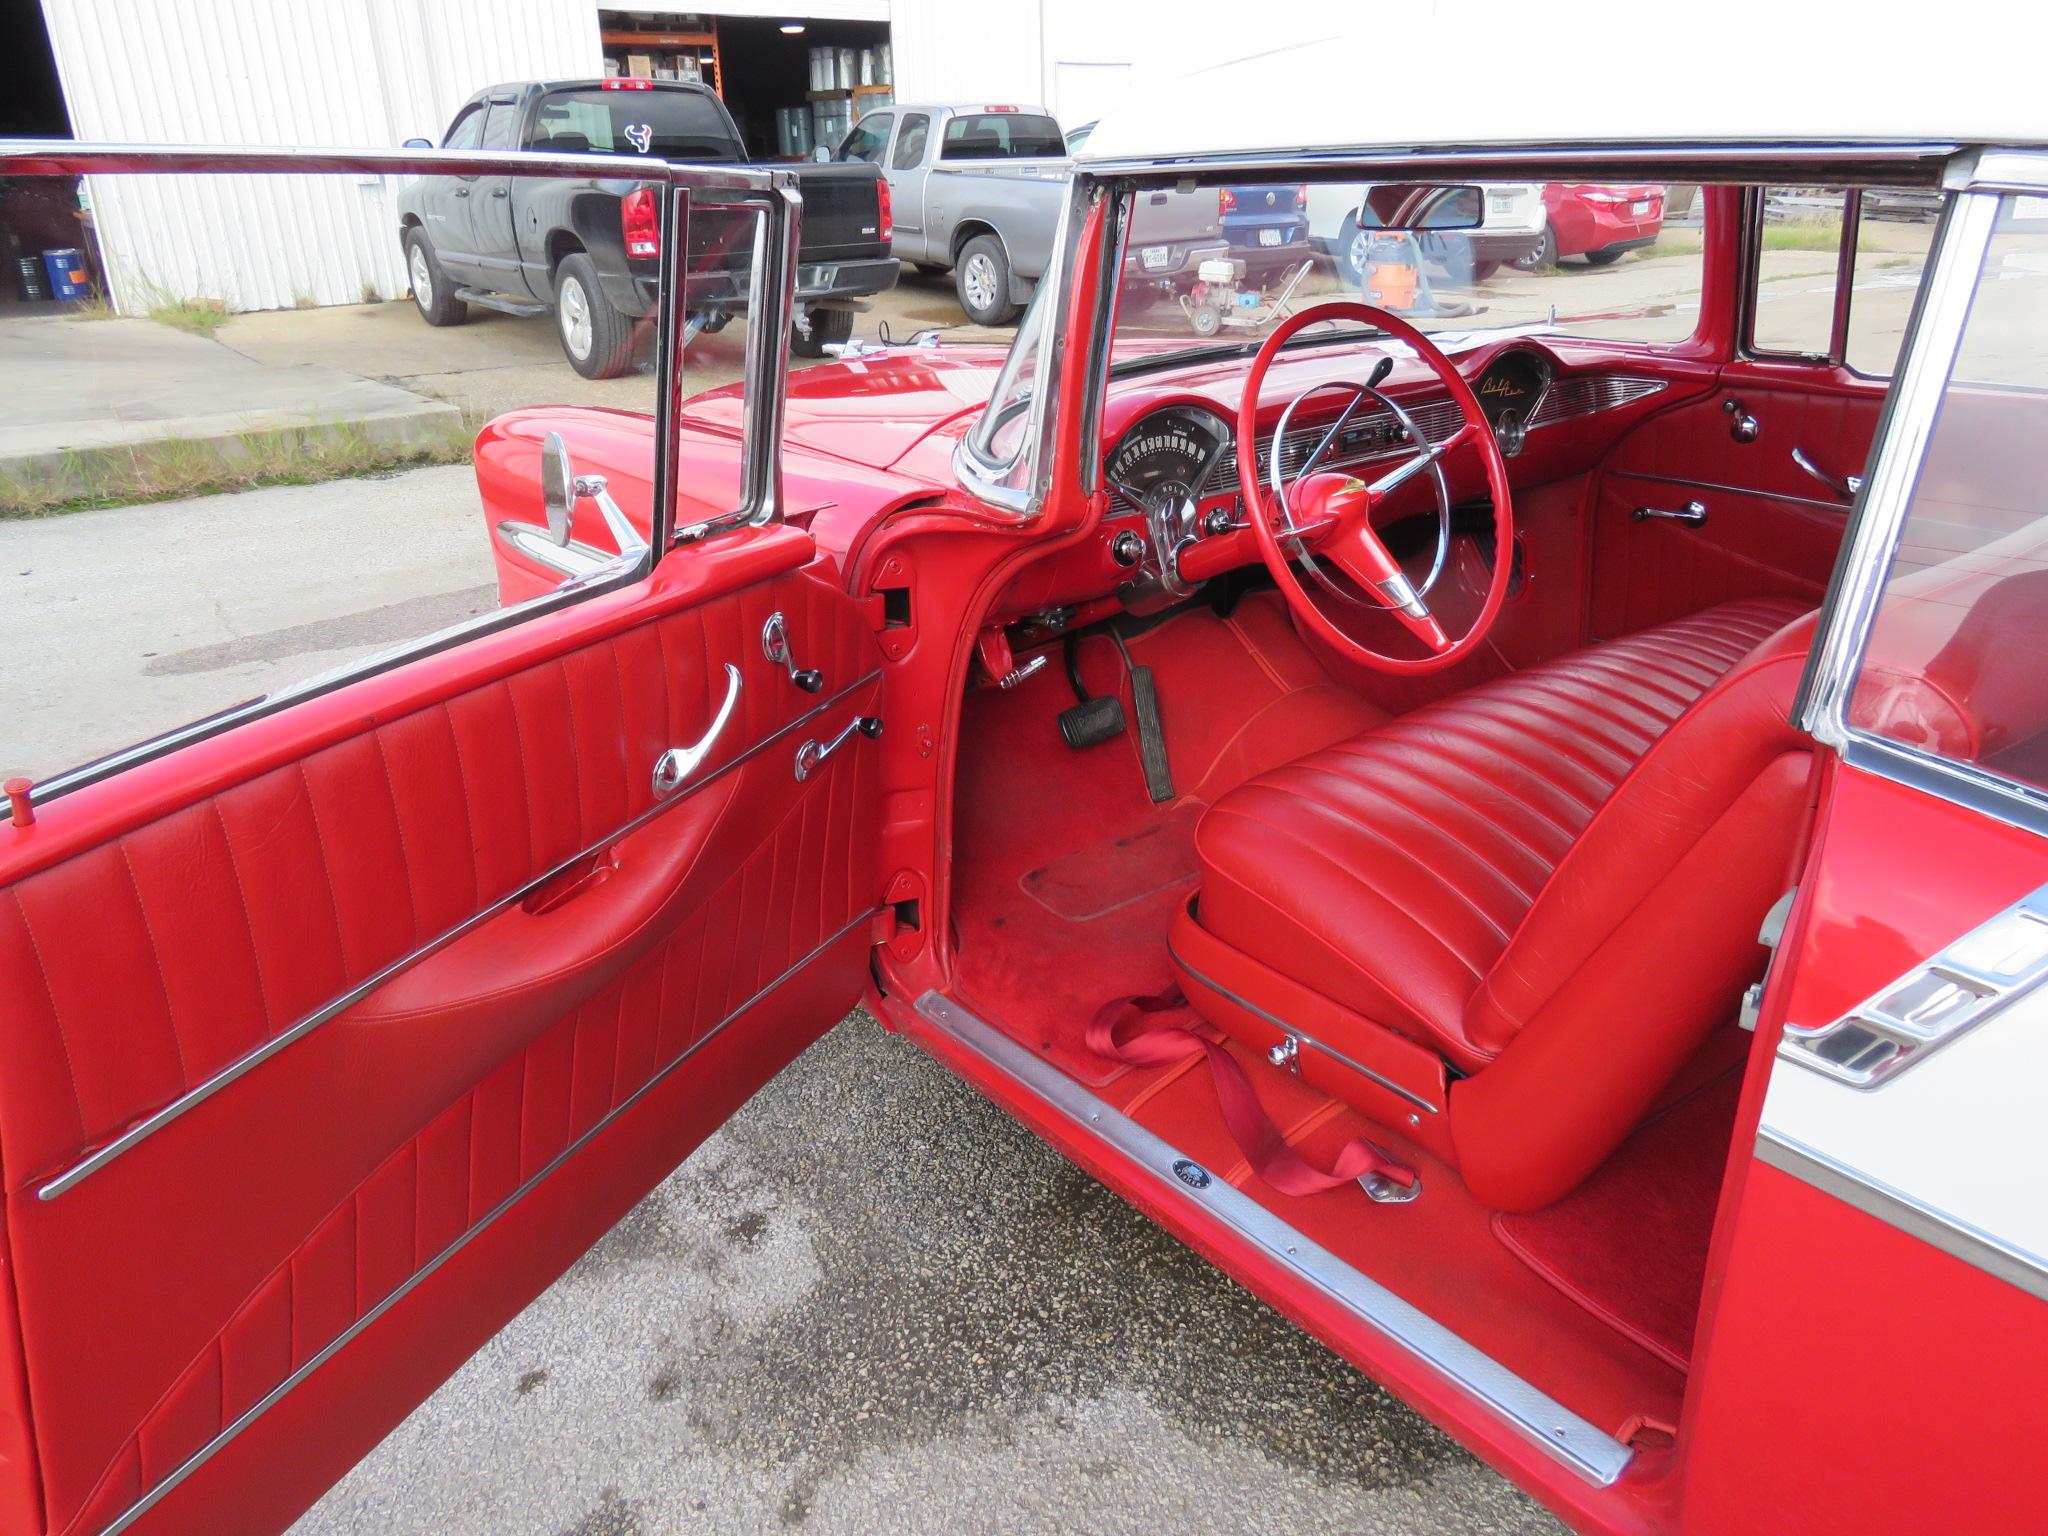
point(1968, 71)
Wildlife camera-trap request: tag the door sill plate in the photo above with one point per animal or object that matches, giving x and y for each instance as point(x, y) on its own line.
point(1579, 1444)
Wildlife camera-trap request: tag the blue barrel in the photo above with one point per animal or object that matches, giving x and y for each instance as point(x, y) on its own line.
point(69, 280)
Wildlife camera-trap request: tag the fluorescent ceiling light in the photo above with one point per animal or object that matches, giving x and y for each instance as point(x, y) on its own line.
point(792, 27)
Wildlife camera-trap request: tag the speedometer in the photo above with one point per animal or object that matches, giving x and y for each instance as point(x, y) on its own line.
point(1163, 460)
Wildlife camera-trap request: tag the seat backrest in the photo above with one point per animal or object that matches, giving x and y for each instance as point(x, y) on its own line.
point(1642, 940)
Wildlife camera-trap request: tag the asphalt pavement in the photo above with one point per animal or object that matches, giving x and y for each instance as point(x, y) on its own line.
point(875, 1303)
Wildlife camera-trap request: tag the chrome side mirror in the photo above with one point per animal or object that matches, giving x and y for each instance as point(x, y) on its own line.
point(557, 486)
point(417, 143)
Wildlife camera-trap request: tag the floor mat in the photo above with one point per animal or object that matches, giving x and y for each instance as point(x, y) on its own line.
point(1094, 881)
point(1630, 1244)
point(1065, 874)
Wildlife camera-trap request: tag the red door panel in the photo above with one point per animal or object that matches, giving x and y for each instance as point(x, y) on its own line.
point(1771, 529)
point(403, 821)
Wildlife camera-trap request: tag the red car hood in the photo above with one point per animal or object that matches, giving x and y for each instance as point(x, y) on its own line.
point(900, 411)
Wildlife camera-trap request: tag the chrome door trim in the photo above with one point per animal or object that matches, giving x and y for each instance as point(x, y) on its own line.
point(262, 1405)
point(1895, 1208)
point(1840, 509)
point(1296, 1032)
point(150, 1124)
point(1577, 1443)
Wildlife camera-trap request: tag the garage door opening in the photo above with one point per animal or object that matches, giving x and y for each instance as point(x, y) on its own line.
point(791, 83)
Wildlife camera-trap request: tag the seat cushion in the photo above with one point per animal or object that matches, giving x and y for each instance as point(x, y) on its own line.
point(1390, 871)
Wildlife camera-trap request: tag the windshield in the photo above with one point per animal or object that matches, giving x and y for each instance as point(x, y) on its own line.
point(616, 120)
point(1208, 268)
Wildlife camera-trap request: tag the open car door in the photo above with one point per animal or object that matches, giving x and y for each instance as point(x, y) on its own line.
point(337, 1026)
point(1883, 1259)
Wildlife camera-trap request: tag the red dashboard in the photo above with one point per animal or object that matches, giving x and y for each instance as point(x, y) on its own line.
point(1556, 405)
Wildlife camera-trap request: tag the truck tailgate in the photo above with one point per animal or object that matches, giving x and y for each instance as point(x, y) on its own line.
point(842, 213)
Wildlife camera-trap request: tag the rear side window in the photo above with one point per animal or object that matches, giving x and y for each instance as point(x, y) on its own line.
point(910, 142)
point(501, 127)
point(1002, 136)
point(661, 125)
point(1808, 242)
point(868, 139)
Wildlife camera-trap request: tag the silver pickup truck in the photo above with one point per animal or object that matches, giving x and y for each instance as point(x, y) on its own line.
point(977, 189)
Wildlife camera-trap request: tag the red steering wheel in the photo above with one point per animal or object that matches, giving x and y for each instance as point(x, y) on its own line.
point(1329, 513)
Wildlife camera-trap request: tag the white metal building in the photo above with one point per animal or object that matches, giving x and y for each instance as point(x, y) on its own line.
point(374, 73)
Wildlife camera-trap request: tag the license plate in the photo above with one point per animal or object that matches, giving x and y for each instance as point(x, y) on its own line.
point(1640, 207)
point(1501, 202)
point(1269, 236)
point(1156, 256)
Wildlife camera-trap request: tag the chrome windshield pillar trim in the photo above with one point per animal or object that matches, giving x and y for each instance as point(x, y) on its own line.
point(1932, 337)
point(1895, 1208)
point(270, 1399)
point(1296, 1032)
point(1577, 1443)
point(150, 1124)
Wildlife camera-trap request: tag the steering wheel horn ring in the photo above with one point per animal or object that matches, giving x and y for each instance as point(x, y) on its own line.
point(1329, 514)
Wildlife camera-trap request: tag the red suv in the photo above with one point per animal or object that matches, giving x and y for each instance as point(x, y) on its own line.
point(1598, 223)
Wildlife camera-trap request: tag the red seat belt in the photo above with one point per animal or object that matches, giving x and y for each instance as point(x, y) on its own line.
point(1141, 1032)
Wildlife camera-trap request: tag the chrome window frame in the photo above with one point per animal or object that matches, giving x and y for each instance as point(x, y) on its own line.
point(765, 383)
point(1977, 181)
point(986, 477)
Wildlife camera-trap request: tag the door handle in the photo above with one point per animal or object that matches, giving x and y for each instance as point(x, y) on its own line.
point(1692, 514)
point(810, 757)
point(678, 763)
point(462, 191)
point(1845, 486)
point(501, 191)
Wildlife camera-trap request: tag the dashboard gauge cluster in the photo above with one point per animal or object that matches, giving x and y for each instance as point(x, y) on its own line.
point(1168, 454)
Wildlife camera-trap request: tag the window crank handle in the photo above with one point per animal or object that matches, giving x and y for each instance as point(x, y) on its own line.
point(810, 757)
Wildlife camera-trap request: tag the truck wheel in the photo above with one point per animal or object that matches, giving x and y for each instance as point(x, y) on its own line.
point(1483, 269)
point(1604, 258)
point(982, 279)
point(432, 292)
point(1353, 251)
point(597, 338)
point(829, 328)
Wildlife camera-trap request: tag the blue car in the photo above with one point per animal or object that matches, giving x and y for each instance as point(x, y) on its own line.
point(1267, 226)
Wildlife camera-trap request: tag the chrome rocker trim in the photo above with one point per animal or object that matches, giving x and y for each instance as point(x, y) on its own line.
point(262, 1405)
point(150, 1124)
point(1580, 1445)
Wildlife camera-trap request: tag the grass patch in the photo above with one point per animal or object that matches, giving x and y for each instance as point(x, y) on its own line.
point(201, 317)
point(170, 470)
point(95, 306)
point(1678, 242)
point(1806, 236)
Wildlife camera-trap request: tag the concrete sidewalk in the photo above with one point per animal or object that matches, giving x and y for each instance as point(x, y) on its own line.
point(77, 389)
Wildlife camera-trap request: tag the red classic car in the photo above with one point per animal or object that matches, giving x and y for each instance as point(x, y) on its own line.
point(1525, 842)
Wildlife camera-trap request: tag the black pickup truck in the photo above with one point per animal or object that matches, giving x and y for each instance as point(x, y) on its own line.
point(589, 249)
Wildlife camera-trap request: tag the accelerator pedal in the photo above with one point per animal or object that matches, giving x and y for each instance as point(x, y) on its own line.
point(1151, 738)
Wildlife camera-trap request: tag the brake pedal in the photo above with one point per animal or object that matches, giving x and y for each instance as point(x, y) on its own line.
point(1090, 721)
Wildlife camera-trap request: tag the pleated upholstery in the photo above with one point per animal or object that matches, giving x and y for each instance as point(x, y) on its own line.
point(1389, 872)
